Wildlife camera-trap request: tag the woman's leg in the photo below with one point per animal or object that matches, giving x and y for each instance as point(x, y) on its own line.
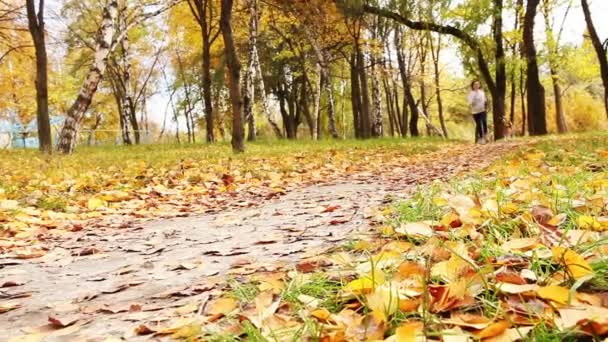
point(484, 124)
point(478, 127)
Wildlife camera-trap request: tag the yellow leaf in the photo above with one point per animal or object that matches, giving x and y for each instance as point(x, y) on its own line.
point(96, 203)
point(575, 264)
point(365, 284)
point(449, 219)
point(587, 222)
point(509, 208)
point(385, 299)
point(115, 196)
point(555, 293)
point(408, 331)
point(387, 230)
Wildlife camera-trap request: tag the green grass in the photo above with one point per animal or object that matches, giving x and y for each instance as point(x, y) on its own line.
point(319, 286)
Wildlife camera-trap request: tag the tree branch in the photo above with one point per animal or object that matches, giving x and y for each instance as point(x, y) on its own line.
point(467, 39)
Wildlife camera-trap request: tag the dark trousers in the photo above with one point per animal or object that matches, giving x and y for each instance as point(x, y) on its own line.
point(481, 125)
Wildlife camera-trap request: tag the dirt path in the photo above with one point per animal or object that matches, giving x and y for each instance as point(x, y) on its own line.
point(97, 276)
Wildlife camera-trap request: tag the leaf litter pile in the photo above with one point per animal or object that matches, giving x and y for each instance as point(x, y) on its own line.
point(517, 252)
point(42, 201)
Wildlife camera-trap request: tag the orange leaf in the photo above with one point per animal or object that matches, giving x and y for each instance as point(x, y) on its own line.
point(407, 305)
point(408, 331)
point(494, 329)
point(410, 268)
point(320, 314)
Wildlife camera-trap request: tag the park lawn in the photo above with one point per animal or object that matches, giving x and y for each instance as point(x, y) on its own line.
point(516, 251)
point(40, 194)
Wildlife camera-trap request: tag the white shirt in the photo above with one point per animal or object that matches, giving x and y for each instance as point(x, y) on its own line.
point(477, 101)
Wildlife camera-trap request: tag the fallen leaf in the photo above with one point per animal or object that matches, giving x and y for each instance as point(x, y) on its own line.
point(63, 321)
point(509, 288)
point(144, 330)
point(554, 293)
point(331, 208)
point(510, 277)
point(96, 203)
point(307, 266)
point(224, 305)
point(494, 329)
point(468, 320)
point(309, 301)
point(407, 332)
point(572, 316)
point(575, 264)
point(416, 229)
point(522, 244)
point(87, 251)
point(11, 283)
point(8, 306)
point(541, 214)
point(321, 314)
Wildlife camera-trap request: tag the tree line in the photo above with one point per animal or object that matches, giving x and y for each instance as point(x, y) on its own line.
point(367, 68)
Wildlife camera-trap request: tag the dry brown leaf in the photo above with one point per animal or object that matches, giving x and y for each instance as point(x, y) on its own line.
point(522, 244)
point(416, 229)
point(509, 288)
point(510, 277)
point(8, 306)
point(477, 322)
point(570, 317)
point(224, 305)
point(63, 321)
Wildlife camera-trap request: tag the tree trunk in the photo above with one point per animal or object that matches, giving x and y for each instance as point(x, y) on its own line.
point(365, 103)
point(389, 106)
point(98, 119)
point(377, 129)
point(436, 54)
point(522, 75)
point(500, 93)
point(355, 96)
point(600, 50)
point(128, 106)
point(234, 71)
point(36, 28)
point(203, 12)
point(537, 124)
point(67, 139)
point(513, 95)
point(316, 98)
point(422, 84)
point(408, 96)
point(560, 117)
point(248, 86)
point(553, 50)
point(331, 107)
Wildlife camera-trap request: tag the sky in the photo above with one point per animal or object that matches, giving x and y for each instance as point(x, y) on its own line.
point(573, 34)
